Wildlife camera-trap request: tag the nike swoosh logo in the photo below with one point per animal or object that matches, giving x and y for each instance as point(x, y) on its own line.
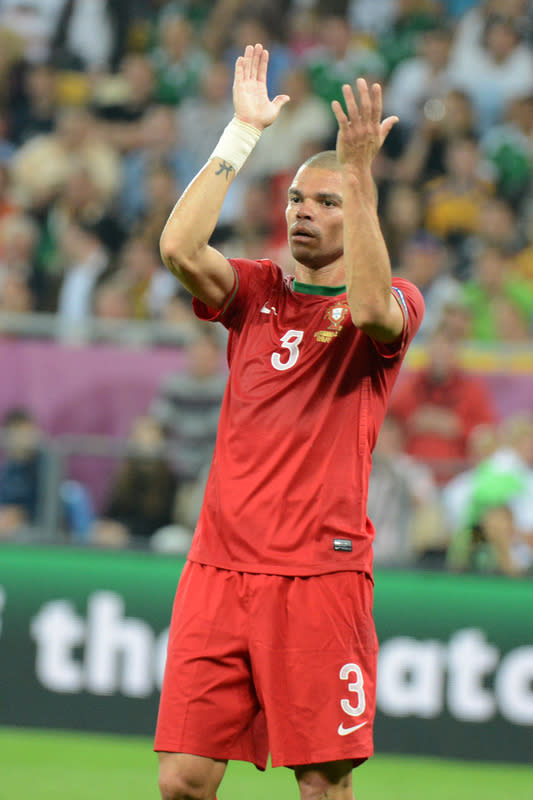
point(342, 731)
point(267, 310)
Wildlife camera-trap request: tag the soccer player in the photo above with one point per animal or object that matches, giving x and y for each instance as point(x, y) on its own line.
point(272, 645)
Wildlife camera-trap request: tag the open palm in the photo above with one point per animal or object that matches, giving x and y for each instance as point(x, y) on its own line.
point(250, 95)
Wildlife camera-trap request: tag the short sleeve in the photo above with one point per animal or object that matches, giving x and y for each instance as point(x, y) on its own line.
point(251, 277)
point(411, 303)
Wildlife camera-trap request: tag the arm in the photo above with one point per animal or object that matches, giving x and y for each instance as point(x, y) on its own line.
point(368, 273)
point(184, 241)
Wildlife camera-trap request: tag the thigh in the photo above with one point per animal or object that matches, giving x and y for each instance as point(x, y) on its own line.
point(208, 704)
point(315, 661)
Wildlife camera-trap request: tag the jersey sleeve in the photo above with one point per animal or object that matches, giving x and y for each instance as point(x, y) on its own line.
point(411, 303)
point(251, 278)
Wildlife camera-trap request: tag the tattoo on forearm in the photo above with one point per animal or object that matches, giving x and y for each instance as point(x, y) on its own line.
point(225, 168)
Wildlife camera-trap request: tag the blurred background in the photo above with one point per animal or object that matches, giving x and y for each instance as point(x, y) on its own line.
point(111, 388)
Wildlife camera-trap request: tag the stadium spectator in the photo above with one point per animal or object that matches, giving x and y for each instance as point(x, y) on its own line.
point(201, 116)
point(402, 219)
point(142, 493)
point(228, 37)
point(339, 58)
point(399, 41)
point(423, 80)
point(71, 47)
point(149, 285)
point(255, 226)
point(21, 475)
point(439, 405)
point(423, 157)
point(123, 99)
point(85, 262)
point(15, 297)
point(81, 200)
point(156, 141)
point(34, 111)
point(187, 405)
point(494, 292)
point(160, 194)
point(483, 441)
point(490, 506)
point(371, 18)
point(508, 148)
point(453, 201)
point(426, 261)
point(112, 301)
point(498, 226)
point(178, 60)
point(19, 237)
point(23, 480)
point(305, 121)
point(494, 69)
point(42, 165)
point(409, 522)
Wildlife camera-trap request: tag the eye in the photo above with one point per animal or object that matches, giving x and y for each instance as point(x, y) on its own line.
point(294, 199)
point(329, 203)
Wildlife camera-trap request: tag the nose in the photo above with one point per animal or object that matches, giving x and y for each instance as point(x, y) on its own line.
point(303, 210)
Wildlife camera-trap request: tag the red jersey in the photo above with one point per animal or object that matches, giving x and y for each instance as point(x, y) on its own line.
point(306, 395)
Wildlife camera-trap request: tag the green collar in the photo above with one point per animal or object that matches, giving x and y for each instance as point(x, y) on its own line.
point(311, 288)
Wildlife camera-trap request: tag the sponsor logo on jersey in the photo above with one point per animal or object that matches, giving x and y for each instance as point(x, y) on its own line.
point(268, 309)
point(335, 314)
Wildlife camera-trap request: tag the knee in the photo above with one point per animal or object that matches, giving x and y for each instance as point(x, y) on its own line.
point(325, 780)
point(176, 783)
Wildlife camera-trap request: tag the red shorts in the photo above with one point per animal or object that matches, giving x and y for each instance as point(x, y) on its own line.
point(260, 663)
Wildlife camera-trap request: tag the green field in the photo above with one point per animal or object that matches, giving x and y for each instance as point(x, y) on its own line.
point(46, 765)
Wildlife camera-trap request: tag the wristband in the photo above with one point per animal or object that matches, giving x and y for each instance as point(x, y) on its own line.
point(236, 143)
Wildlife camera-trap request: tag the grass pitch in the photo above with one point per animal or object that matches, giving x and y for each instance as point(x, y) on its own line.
point(54, 765)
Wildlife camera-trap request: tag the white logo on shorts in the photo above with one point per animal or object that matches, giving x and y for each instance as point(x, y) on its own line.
point(342, 731)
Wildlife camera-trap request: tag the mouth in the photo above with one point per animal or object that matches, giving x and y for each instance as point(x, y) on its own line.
point(302, 233)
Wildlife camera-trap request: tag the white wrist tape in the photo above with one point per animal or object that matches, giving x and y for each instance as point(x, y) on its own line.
point(236, 143)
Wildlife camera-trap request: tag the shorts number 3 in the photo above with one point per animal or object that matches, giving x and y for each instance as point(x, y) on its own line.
point(354, 686)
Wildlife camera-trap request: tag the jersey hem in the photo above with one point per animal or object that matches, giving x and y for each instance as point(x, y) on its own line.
point(292, 572)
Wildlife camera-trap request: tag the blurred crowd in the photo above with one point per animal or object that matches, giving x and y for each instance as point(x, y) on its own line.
point(107, 110)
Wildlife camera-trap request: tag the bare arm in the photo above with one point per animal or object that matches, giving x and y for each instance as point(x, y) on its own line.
point(204, 271)
point(368, 272)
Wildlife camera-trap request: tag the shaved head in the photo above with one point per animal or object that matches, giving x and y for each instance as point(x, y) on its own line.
point(327, 159)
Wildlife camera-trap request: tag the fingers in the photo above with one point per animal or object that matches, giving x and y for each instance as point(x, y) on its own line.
point(351, 105)
point(262, 66)
point(338, 110)
point(365, 103)
point(386, 127)
point(280, 100)
point(247, 62)
point(254, 63)
point(369, 108)
point(239, 70)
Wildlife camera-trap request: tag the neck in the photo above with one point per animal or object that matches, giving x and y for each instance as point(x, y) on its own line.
point(330, 275)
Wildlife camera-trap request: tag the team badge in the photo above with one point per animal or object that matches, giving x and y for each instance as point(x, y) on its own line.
point(335, 314)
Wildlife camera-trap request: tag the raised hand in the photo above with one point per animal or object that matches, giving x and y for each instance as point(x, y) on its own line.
point(250, 96)
point(361, 131)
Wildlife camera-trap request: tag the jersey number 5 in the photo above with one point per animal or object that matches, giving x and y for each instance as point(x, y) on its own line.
point(290, 342)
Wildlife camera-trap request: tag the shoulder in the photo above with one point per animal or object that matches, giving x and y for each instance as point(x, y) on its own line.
point(261, 270)
point(409, 295)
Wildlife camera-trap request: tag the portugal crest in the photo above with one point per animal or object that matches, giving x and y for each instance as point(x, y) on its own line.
point(335, 314)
